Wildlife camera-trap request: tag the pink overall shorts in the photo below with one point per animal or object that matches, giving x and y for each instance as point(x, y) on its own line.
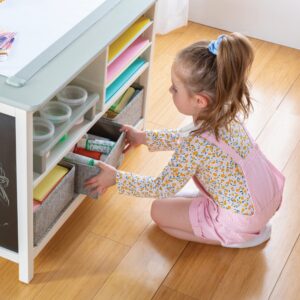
point(216, 225)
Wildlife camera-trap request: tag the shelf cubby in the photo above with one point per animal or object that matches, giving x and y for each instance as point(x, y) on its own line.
point(133, 52)
point(41, 151)
point(125, 86)
point(127, 38)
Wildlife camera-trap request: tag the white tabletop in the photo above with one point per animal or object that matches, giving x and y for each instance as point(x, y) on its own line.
point(39, 24)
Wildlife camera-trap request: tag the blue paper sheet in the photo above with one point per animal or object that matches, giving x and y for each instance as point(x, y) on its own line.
point(123, 78)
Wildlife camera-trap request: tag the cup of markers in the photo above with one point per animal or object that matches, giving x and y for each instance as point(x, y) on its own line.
point(6, 42)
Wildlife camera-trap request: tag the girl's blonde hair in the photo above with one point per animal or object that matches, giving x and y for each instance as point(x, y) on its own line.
point(222, 78)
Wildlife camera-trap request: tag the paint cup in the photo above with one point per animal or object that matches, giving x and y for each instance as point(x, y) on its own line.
point(72, 95)
point(43, 130)
point(56, 112)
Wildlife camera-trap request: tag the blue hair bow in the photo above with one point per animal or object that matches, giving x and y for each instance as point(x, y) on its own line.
point(214, 45)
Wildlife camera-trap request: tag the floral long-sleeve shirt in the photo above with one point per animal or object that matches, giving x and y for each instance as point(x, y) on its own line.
point(193, 155)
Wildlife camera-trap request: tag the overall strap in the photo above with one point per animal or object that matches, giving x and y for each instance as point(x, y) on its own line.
point(223, 146)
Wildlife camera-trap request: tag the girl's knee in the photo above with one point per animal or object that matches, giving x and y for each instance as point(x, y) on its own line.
point(156, 211)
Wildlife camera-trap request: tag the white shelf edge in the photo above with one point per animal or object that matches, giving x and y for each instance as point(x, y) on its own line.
point(144, 49)
point(128, 83)
point(58, 224)
point(130, 42)
point(8, 254)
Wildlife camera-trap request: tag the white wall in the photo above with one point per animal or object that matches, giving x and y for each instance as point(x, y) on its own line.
point(171, 14)
point(277, 21)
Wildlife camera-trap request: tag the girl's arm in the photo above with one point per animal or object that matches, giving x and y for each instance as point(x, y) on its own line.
point(175, 175)
point(162, 140)
point(155, 140)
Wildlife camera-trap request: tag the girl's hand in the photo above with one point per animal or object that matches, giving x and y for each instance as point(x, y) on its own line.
point(102, 181)
point(134, 137)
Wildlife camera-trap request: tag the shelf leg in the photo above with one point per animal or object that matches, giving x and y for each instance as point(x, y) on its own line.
point(25, 194)
point(90, 114)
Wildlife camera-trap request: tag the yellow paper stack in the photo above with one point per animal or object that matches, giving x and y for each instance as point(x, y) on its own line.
point(44, 188)
point(127, 37)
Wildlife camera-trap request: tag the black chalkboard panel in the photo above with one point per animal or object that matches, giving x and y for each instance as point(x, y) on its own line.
point(8, 184)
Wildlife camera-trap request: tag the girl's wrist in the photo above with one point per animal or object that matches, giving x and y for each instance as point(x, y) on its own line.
point(114, 176)
point(143, 138)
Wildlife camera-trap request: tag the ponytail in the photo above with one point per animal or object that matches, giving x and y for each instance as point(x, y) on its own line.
point(234, 59)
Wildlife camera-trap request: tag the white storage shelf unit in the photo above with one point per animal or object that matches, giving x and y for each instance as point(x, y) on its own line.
point(90, 72)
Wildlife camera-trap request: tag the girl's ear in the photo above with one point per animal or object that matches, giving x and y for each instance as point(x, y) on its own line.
point(201, 100)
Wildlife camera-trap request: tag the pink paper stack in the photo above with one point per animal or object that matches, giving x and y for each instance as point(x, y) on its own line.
point(120, 63)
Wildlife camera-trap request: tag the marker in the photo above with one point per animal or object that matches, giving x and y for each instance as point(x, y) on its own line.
point(6, 39)
point(76, 158)
point(8, 44)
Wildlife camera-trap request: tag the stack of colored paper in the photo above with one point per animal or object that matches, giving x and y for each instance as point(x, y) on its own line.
point(127, 38)
point(123, 78)
point(123, 100)
point(45, 187)
point(6, 41)
point(125, 59)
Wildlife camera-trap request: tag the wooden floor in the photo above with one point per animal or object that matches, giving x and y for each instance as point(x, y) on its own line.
point(110, 249)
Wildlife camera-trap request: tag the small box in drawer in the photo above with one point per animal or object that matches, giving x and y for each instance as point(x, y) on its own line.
point(55, 203)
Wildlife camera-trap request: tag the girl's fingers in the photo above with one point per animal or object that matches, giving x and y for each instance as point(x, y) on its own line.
point(124, 128)
point(91, 181)
point(102, 165)
point(92, 185)
point(99, 190)
point(93, 191)
point(102, 190)
point(126, 148)
point(87, 184)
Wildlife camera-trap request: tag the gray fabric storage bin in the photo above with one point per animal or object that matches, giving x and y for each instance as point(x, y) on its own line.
point(107, 129)
point(52, 207)
point(133, 111)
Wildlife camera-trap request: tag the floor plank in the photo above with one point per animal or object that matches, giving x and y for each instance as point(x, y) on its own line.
point(282, 71)
point(165, 293)
point(280, 137)
point(264, 53)
point(145, 266)
point(291, 102)
point(85, 270)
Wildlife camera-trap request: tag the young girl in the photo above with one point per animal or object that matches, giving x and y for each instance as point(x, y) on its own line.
point(236, 189)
